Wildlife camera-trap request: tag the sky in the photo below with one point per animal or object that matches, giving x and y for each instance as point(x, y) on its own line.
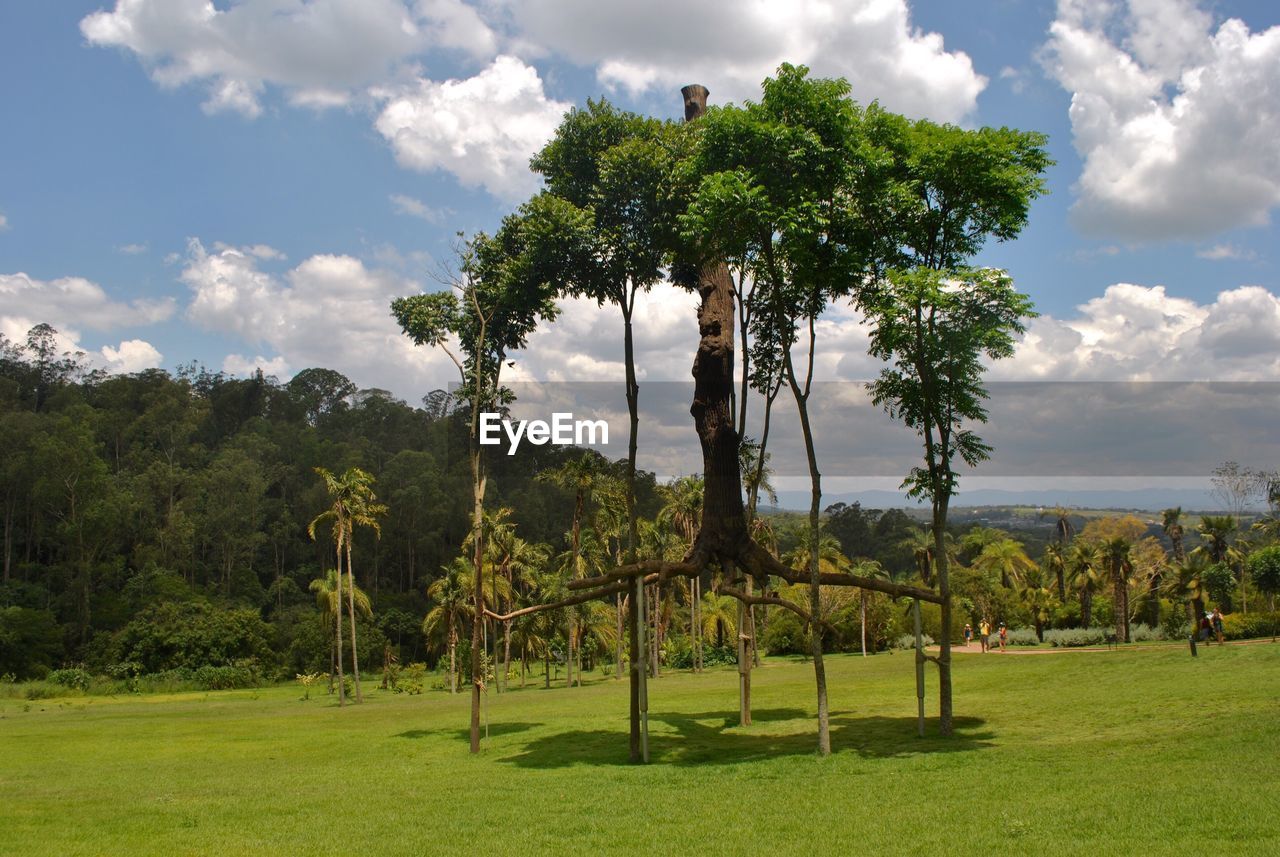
point(247, 183)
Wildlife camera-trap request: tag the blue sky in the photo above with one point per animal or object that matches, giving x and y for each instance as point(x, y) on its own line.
point(238, 182)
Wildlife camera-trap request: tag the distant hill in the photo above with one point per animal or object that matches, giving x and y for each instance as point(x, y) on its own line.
point(1140, 499)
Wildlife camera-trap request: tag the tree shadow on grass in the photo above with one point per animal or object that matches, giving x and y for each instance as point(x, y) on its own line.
point(713, 738)
point(495, 729)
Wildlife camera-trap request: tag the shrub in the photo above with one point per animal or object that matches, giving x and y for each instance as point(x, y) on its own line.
point(678, 654)
point(411, 679)
point(1142, 633)
point(1243, 626)
point(1019, 637)
point(226, 678)
point(908, 641)
point(1075, 637)
point(75, 678)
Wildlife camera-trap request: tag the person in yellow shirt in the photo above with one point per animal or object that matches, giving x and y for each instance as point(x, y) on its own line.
point(984, 631)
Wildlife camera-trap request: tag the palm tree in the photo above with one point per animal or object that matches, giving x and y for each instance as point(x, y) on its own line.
point(719, 614)
point(1185, 583)
point(1085, 576)
point(1172, 525)
point(353, 504)
point(581, 476)
point(1215, 533)
point(328, 590)
point(873, 569)
point(1116, 553)
point(1055, 563)
point(682, 511)
point(451, 593)
point(1038, 598)
point(1006, 557)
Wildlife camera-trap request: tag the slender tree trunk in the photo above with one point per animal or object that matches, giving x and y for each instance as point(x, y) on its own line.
point(618, 612)
point(453, 657)
point(477, 630)
point(351, 606)
point(639, 743)
point(815, 597)
point(342, 690)
point(946, 720)
point(506, 652)
point(862, 597)
point(744, 663)
point(1086, 607)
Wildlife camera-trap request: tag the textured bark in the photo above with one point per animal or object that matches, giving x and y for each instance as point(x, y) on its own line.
point(946, 720)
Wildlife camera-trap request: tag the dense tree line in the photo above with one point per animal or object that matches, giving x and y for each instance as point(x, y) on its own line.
point(182, 500)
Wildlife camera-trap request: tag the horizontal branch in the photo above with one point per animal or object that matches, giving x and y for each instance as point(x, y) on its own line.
point(661, 568)
point(833, 578)
point(769, 599)
point(556, 605)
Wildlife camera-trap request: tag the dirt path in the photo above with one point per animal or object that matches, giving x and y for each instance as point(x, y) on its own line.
point(976, 649)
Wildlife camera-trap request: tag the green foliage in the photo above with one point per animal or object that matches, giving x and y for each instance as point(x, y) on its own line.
point(30, 641)
point(192, 635)
point(1244, 626)
point(1264, 569)
point(73, 677)
point(1219, 581)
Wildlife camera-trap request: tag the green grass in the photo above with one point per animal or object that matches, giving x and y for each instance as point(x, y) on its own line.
point(1131, 752)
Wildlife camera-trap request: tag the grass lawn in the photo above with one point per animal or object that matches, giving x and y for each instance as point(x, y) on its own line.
point(1112, 753)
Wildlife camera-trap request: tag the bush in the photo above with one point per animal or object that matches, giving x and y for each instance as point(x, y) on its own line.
point(411, 679)
point(75, 678)
point(226, 678)
point(1020, 637)
point(30, 641)
point(908, 641)
point(677, 654)
point(1141, 633)
point(1068, 638)
point(785, 635)
point(1244, 626)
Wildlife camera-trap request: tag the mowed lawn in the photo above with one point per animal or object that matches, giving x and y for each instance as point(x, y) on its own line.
point(1113, 753)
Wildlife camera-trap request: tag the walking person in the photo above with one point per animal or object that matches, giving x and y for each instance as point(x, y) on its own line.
point(1217, 625)
point(1004, 636)
point(968, 634)
point(984, 632)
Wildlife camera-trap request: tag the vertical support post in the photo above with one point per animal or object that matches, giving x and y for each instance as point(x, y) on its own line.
point(915, 615)
point(642, 669)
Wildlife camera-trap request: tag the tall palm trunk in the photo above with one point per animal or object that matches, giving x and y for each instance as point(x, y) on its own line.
point(453, 657)
point(351, 606)
point(342, 689)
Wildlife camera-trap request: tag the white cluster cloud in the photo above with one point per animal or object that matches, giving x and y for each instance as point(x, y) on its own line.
point(1176, 120)
point(732, 45)
point(76, 302)
point(1141, 333)
point(131, 355)
point(482, 129)
point(321, 51)
point(71, 304)
point(328, 311)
